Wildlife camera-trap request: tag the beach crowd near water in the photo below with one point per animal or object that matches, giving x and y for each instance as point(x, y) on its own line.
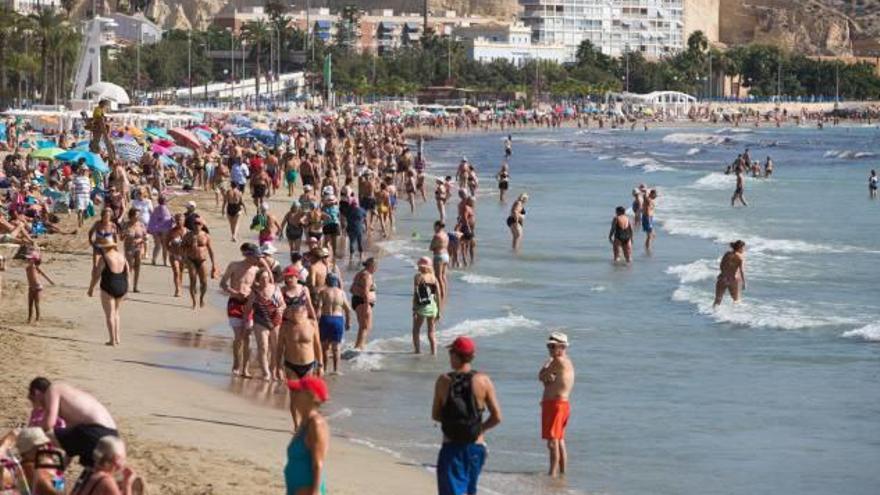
point(306, 276)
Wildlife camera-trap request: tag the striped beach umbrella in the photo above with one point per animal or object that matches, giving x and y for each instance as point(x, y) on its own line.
point(129, 151)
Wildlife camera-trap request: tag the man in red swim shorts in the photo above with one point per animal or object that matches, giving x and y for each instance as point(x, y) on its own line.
point(557, 375)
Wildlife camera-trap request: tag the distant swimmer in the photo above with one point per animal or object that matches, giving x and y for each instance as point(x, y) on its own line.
point(557, 375)
point(508, 147)
point(503, 178)
point(621, 235)
point(740, 189)
point(768, 168)
point(872, 184)
point(733, 276)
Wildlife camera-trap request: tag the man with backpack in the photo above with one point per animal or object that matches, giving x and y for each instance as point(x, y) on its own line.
point(460, 398)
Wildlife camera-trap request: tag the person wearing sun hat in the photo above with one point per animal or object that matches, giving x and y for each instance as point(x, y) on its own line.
point(45, 479)
point(307, 451)
point(460, 399)
point(557, 375)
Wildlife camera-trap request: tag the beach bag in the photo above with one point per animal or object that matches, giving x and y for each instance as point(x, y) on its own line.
point(423, 294)
point(259, 222)
point(461, 420)
point(90, 210)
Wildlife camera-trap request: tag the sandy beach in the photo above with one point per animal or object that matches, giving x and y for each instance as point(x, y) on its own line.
point(185, 436)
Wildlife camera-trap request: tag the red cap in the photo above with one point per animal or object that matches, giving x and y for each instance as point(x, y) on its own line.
point(312, 384)
point(463, 346)
point(291, 271)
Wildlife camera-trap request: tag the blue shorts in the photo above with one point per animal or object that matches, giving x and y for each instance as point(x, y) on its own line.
point(647, 223)
point(459, 467)
point(332, 328)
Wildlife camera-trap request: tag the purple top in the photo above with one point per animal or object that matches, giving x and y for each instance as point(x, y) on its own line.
point(161, 220)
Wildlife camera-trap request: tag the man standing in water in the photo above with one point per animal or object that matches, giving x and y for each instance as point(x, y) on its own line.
point(740, 189)
point(237, 281)
point(733, 276)
point(460, 398)
point(557, 375)
point(872, 184)
point(508, 147)
point(648, 205)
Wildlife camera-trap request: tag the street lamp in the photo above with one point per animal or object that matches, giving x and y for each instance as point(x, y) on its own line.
point(189, 65)
point(231, 63)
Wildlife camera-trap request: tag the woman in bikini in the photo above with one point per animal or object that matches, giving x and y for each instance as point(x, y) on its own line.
point(315, 223)
point(112, 271)
point(292, 225)
point(176, 250)
point(234, 208)
point(516, 219)
point(363, 299)
point(425, 307)
point(299, 344)
point(104, 228)
point(733, 276)
point(621, 235)
point(267, 306)
point(35, 288)
point(134, 238)
point(503, 178)
point(197, 246)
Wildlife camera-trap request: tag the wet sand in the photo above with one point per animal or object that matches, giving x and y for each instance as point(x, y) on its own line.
point(185, 434)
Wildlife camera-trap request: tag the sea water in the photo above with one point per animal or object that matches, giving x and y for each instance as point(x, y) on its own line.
point(779, 394)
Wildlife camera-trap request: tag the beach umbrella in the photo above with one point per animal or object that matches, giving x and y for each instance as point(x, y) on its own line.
point(46, 144)
point(158, 132)
point(129, 151)
point(180, 150)
point(47, 153)
point(162, 150)
point(184, 137)
point(204, 136)
point(93, 161)
point(241, 120)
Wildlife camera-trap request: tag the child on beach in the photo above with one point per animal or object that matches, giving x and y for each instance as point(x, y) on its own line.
point(33, 272)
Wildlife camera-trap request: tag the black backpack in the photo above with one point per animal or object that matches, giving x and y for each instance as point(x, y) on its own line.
point(461, 420)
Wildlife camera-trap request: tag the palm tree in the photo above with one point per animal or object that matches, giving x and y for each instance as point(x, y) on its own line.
point(257, 33)
point(46, 23)
point(8, 23)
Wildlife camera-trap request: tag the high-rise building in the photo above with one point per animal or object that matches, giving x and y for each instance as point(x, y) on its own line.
point(653, 27)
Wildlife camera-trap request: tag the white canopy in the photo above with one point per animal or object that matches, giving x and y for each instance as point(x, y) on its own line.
point(109, 91)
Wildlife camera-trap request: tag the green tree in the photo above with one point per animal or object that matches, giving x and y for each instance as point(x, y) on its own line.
point(256, 33)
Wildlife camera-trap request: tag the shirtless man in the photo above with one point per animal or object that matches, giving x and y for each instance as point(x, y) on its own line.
point(318, 271)
point(648, 206)
point(733, 276)
point(87, 420)
point(440, 248)
point(237, 281)
point(740, 189)
point(198, 249)
point(332, 305)
point(557, 375)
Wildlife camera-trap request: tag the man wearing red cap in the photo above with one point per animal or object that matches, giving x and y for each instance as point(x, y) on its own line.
point(460, 398)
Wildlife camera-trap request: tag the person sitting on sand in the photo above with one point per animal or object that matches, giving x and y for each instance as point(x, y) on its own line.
point(42, 467)
point(87, 420)
point(307, 451)
point(109, 464)
point(733, 276)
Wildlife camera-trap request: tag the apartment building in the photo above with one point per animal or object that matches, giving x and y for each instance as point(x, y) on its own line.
point(26, 7)
point(505, 41)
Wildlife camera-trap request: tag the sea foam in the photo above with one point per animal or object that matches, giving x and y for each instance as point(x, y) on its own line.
point(867, 333)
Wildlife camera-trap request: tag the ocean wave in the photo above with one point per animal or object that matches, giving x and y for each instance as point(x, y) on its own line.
point(779, 314)
point(476, 279)
point(867, 333)
point(647, 164)
point(693, 151)
point(715, 181)
point(698, 138)
point(697, 271)
point(849, 154)
point(733, 130)
point(602, 158)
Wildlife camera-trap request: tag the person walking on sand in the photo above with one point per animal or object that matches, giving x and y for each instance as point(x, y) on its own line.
point(363, 300)
point(299, 343)
point(35, 288)
point(621, 235)
point(557, 375)
point(740, 190)
point(732, 278)
point(112, 271)
point(306, 453)
point(235, 207)
point(197, 250)
point(335, 319)
point(87, 420)
point(460, 399)
point(426, 308)
point(267, 306)
point(237, 281)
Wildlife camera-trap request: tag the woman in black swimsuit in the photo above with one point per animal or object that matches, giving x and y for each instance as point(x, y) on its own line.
point(516, 218)
point(234, 208)
point(112, 271)
point(503, 177)
point(621, 235)
point(292, 225)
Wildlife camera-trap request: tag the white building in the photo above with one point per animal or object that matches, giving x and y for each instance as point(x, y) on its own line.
point(513, 42)
point(135, 29)
point(652, 27)
point(25, 7)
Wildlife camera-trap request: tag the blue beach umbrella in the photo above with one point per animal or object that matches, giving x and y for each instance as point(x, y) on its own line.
point(93, 161)
point(159, 133)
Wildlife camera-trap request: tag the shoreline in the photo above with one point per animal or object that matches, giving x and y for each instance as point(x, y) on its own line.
point(179, 429)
